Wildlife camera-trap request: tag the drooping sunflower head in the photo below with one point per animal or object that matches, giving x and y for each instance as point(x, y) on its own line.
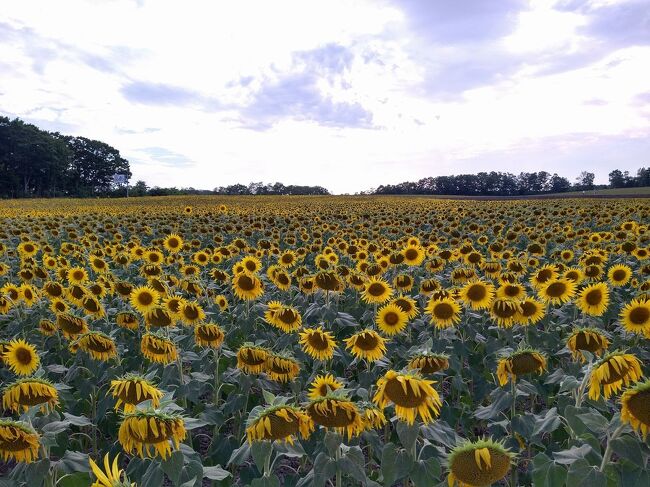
point(209, 335)
point(530, 311)
point(150, 432)
point(338, 412)
point(47, 327)
point(22, 394)
point(411, 394)
point(391, 319)
point(372, 416)
point(477, 464)
point(158, 348)
point(191, 313)
point(376, 290)
point(18, 441)
point(131, 389)
point(521, 362)
point(286, 318)
point(366, 345)
point(317, 343)
point(159, 317)
point(111, 476)
point(543, 275)
point(635, 408)
point(504, 311)
point(71, 326)
point(281, 367)
point(323, 385)
point(444, 312)
point(281, 422)
point(591, 340)
point(98, 345)
point(477, 294)
point(406, 304)
point(429, 362)
point(21, 357)
point(128, 320)
point(251, 359)
point(612, 372)
point(328, 281)
point(635, 317)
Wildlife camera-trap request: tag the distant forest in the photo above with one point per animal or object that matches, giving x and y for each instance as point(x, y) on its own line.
point(507, 184)
point(37, 163)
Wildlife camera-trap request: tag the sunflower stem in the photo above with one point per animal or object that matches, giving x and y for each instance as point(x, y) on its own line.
point(513, 412)
point(608, 449)
point(216, 377)
point(339, 479)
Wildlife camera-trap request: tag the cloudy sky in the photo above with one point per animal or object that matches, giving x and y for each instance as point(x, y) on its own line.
point(344, 94)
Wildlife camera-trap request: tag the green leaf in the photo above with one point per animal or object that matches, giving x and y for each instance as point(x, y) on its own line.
point(260, 451)
point(272, 481)
point(549, 423)
point(240, 455)
point(501, 401)
point(332, 442)
point(153, 476)
point(78, 479)
point(595, 421)
point(173, 466)
point(73, 461)
point(269, 398)
point(546, 473)
point(567, 457)
point(581, 474)
point(628, 447)
point(77, 420)
point(215, 473)
point(324, 469)
point(408, 434)
point(395, 464)
point(426, 472)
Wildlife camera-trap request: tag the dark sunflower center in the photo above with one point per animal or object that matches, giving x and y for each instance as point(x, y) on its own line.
point(173, 243)
point(640, 315)
point(406, 398)
point(466, 470)
point(280, 427)
point(78, 275)
point(594, 297)
point(403, 304)
point(331, 417)
point(614, 375)
point(504, 309)
point(376, 289)
point(283, 279)
point(639, 406)
point(318, 341)
point(250, 359)
point(511, 291)
point(528, 309)
point(24, 356)
point(391, 318)
point(100, 345)
point(477, 292)
point(191, 312)
point(544, 275)
point(246, 283)
point(592, 345)
point(366, 341)
point(145, 298)
point(443, 311)
point(525, 363)
point(556, 289)
point(619, 275)
point(411, 254)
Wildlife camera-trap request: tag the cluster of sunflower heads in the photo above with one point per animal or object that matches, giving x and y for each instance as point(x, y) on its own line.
point(255, 359)
point(411, 395)
point(150, 432)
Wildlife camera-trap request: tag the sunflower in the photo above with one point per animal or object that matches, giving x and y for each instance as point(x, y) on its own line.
point(21, 357)
point(77, 275)
point(18, 441)
point(144, 298)
point(504, 311)
point(5, 305)
point(444, 312)
point(413, 255)
point(281, 368)
point(288, 259)
point(251, 359)
point(158, 349)
point(173, 243)
point(391, 320)
point(191, 313)
point(477, 464)
point(174, 305)
point(406, 304)
point(338, 412)
point(372, 416)
point(111, 476)
point(71, 326)
point(619, 275)
point(208, 335)
point(635, 408)
point(328, 281)
point(542, 276)
point(22, 394)
point(286, 318)
point(635, 317)
point(130, 390)
point(429, 363)
point(520, 362)
point(247, 286)
point(591, 340)
point(477, 294)
point(376, 290)
point(557, 291)
point(512, 290)
point(411, 394)
point(322, 385)
point(574, 274)
point(47, 327)
point(221, 301)
point(53, 289)
point(318, 344)
point(98, 345)
point(593, 299)
point(92, 307)
point(529, 311)
point(611, 372)
point(280, 423)
point(127, 320)
point(366, 344)
point(149, 433)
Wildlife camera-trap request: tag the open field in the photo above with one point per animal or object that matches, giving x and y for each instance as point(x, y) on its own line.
point(316, 341)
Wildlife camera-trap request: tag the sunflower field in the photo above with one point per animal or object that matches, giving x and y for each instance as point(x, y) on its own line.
point(324, 341)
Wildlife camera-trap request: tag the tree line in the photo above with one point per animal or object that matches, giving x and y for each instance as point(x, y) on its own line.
point(507, 184)
point(37, 163)
point(140, 188)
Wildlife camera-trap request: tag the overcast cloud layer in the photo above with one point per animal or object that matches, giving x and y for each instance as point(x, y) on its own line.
point(347, 95)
